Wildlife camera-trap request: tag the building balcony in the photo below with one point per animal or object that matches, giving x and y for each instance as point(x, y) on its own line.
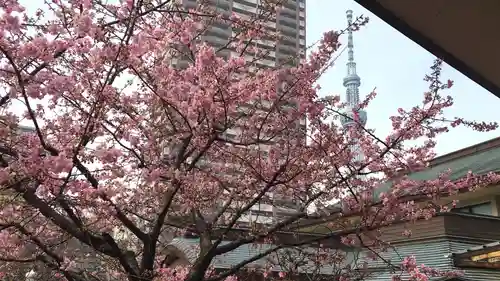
point(449, 241)
point(476, 229)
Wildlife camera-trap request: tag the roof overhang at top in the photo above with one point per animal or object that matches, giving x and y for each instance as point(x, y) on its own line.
point(485, 256)
point(461, 32)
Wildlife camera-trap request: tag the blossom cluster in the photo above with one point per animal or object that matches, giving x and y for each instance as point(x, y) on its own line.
point(139, 126)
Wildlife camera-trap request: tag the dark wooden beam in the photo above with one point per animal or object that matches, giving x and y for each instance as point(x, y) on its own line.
point(425, 42)
point(475, 264)
point(485, 250)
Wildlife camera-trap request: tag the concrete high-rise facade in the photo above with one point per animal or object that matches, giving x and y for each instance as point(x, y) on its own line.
point(290, 24)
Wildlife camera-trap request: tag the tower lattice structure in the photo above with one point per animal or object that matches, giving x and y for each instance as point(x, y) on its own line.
point(352, 115)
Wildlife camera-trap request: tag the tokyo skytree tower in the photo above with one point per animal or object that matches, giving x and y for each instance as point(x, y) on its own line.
point(352, 114)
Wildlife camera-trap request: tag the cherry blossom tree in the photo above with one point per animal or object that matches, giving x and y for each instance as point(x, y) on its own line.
point(124, 138)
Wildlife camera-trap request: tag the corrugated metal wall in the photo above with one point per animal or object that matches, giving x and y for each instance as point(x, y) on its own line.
point(429, 253)
point(190, 247)
point(434, 254)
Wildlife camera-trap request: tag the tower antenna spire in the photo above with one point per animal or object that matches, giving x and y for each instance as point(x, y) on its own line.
point(352, 81)
point(352, 115)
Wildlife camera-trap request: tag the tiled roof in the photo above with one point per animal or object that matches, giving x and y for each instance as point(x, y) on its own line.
point(190, 248)
point(453, 279)
point(187, 246)
point(477, 248)
point(481, 159)
point(480, 163)
point(26, 129)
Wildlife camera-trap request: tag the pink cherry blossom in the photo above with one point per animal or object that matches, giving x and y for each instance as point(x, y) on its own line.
point(140, 132)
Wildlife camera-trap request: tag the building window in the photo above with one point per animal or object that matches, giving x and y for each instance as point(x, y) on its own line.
point(478, 209)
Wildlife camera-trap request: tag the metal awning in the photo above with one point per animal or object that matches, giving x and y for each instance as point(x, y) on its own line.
point(461, 32)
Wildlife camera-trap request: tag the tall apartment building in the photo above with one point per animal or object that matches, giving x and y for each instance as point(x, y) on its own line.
point(290, 23)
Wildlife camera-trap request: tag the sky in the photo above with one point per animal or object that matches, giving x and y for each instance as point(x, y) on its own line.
point(395, 65)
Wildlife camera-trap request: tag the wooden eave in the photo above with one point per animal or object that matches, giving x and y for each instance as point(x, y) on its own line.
point(473, 259)
point(461, 32)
